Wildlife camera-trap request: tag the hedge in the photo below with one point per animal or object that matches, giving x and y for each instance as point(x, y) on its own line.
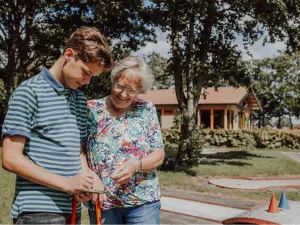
point(259, 138)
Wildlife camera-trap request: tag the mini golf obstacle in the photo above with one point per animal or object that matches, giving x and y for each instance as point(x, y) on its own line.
point(287, 212)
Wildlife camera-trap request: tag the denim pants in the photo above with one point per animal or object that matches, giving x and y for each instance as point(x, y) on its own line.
point(46, 218)
point(148, 213)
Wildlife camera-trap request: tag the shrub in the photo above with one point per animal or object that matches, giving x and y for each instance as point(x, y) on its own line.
point(194, 146)
point(259, 138)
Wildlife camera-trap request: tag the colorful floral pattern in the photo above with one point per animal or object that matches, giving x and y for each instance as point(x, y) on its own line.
point(116, 140)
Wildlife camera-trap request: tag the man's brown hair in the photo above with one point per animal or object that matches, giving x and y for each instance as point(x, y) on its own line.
point(90, 45)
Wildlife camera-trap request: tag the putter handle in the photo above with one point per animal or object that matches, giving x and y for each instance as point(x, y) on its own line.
point(73, 216)
point(98, 212)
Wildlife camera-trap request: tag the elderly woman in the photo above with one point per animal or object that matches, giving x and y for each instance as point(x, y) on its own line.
point(125, 147)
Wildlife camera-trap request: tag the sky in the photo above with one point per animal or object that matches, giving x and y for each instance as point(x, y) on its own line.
point(258, 51)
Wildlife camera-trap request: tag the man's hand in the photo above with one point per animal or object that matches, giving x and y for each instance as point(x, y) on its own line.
point(83, 197)
point(80, 182)
point(98, 186)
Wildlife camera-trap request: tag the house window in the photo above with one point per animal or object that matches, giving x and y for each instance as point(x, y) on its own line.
point(168, 112)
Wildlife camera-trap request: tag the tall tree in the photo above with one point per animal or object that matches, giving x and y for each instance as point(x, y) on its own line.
point(276, 82)
point(202, 35)
point(32, 33)
point(159, 67)
point(26, 42)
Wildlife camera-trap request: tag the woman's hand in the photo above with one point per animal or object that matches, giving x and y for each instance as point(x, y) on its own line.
point(125, 172)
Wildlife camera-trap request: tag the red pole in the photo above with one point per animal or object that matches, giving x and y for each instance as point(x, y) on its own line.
point(98, 212)
point(73, 216)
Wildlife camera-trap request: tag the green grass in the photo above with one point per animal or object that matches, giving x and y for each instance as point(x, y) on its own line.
point(237, 163)
point(248, 163)
point(7, 190)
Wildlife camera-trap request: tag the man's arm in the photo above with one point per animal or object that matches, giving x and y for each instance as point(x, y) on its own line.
point(98, 183)
point(83, 160)
point(14, 161)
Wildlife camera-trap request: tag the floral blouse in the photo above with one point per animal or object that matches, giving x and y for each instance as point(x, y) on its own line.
point(116, 140)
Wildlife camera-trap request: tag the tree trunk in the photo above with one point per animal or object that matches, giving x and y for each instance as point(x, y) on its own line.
point(291, 123)
point(279, 122)
point(263, 119)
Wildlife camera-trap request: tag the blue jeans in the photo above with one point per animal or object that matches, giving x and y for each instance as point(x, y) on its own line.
point(46, 218)
point(148, 213)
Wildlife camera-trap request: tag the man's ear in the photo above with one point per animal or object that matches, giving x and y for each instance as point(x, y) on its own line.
point(68, 54)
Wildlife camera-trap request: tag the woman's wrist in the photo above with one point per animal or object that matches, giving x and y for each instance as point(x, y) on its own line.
point(138, 165)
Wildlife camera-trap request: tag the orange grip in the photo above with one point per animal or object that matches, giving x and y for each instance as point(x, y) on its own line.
point(98, 212)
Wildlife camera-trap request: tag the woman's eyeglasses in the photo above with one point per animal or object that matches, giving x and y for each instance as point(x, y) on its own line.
point(120, 87)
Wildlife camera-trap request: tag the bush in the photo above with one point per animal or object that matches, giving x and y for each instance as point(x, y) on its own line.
point(259, 138)
point(194, 146)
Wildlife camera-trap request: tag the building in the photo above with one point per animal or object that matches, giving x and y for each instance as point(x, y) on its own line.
point(227, 108)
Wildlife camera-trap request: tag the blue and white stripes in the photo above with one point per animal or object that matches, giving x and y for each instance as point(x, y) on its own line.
point(53, 119)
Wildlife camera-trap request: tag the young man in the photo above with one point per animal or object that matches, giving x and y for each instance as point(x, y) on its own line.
point(43, 130)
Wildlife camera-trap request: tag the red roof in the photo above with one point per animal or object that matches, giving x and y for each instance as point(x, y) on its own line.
point(223, 95)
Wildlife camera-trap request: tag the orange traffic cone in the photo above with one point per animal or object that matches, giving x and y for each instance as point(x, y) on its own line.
point(273, 208)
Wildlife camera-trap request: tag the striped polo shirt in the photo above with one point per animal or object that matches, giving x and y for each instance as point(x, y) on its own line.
point(53, 120)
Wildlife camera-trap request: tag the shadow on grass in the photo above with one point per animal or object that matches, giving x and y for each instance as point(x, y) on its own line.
point(231, 163)
point(235, 163)
point(229, 158)
point(233, 155)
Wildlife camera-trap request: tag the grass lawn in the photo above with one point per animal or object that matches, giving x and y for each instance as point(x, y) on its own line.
point(235, 163)
point(7, 190)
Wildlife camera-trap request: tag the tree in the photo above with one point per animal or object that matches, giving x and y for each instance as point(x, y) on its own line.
point(26, 42)
point(276, 82)
point(202, 33)
point(32, 33)
point(158, 65)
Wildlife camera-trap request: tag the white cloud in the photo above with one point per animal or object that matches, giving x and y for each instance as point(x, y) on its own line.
point(162, 46)
point(257, 50)
point(260, 51)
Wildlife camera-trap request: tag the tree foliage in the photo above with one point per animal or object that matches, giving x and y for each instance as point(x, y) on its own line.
point(202, 35)
point(159, 65)
point(276, 82)
point(32, 33)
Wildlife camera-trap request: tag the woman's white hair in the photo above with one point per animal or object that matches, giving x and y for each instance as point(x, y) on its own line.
point(134, 67)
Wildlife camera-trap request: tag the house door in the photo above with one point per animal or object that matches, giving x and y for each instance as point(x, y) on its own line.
point(219, 119)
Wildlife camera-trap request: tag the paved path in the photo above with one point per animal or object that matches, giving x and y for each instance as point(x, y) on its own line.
point(210, 212)
point(245, 184)
point(174, 218)
point(294, 155)
point(261, 215)
point(181, 207)
point(192, 208)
